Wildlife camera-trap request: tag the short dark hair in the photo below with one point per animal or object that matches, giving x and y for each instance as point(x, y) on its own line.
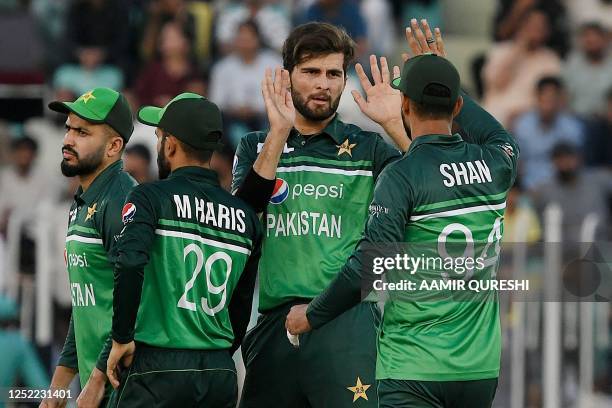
point(252, 24)
point(316, 39)
point(431, 111)
point(547, 81)
point(200, 155)
point(24, 142)
point(564, 149)
point(139, 150)
point(593, 26)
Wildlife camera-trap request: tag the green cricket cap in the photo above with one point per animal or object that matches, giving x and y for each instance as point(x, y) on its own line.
point(101, 105)
point(189, 117)
point(424, 70)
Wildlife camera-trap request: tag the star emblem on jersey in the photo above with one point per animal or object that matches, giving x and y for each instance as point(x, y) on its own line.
point(346, 147)
point(91, 211)
point(87, 96)
point(359, 390)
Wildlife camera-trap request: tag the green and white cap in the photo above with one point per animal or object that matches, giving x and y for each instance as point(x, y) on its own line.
point(101, 105)
point(189, 117)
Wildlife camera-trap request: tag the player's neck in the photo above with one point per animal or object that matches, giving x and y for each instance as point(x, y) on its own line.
point(85, 180)
point(310, 127)
point(430, 127)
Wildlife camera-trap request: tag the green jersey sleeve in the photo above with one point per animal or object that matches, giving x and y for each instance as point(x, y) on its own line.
point(242, 297)
point(483, 129)
point(132, 256)
point(384, 154)
point(68, 356)
point(245, 156)
point(389, 213)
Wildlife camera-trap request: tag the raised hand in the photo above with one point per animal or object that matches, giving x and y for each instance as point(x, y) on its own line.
point(423, 41)
point(277, 98)
point(382, 103)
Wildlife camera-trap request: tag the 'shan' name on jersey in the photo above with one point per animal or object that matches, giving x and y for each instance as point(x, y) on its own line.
point(210, 213)
point(457, 174)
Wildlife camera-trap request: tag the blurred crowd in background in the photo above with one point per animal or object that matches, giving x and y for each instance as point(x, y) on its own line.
point(542, 67)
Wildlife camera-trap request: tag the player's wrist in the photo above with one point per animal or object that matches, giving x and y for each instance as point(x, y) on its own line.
point(97, 377)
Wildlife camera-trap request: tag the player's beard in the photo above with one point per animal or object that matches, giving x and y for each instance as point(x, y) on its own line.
point(301, 105)
point(406, 126)
point(163, 167)
point(85, 166)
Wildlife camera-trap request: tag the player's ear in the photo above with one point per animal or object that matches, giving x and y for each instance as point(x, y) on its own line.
point(171, 145)
point(458, 106)
point(115, 143)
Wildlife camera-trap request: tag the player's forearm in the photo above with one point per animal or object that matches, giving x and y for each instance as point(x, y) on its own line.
point(397, 132)
point(68, 356)
point(342, 294)
point(242, 300)
point(267, 161)
point(62, 377)
point(481, 127)
point(256, 190)
point(126, 299)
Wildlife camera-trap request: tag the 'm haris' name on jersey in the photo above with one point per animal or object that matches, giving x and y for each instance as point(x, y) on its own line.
point(210, 213)
point(471, 172)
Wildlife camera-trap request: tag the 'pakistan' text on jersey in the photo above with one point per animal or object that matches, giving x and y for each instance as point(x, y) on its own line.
point(93, 225)
point(190, 241)
point(444, 192)
point(318, 207)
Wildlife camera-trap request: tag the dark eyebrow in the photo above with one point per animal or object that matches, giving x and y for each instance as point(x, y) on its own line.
point(78, 129)
point(335, 71)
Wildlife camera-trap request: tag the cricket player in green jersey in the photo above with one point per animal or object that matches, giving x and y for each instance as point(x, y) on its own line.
point(324, 183)
point(98, 126)
point(436, 352)
point(185, 271)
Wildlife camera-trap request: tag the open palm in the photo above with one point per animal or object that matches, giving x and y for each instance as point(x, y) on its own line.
point(277, 99)
point(382, 103)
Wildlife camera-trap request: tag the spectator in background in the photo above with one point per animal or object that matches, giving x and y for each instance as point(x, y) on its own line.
point(577, 191)
point(271, 17)
point(89, 73)
point(583, 11)
point(172, 74)
point(514, 67)
point(160, 13)
point(20, 363)
point(520, 219)
point(598, 146)
point(540, 129)
point(235, 82)
point(511, 14)
point(381, 29)
point(137, 162)
point(23, 187)
point(342, 13)
point(588, 71)
point(101, 24)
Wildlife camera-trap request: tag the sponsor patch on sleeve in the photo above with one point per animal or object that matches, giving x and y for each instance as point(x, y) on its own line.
point(127, 214)
point(507, 148)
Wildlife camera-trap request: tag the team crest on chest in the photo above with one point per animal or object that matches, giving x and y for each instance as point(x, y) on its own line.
point(91, 211)
point(346, 147)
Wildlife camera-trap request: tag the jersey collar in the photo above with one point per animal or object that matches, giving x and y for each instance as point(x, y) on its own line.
point(197, 173)
point(435, 139)
point(334, 129)
point(98, 184)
